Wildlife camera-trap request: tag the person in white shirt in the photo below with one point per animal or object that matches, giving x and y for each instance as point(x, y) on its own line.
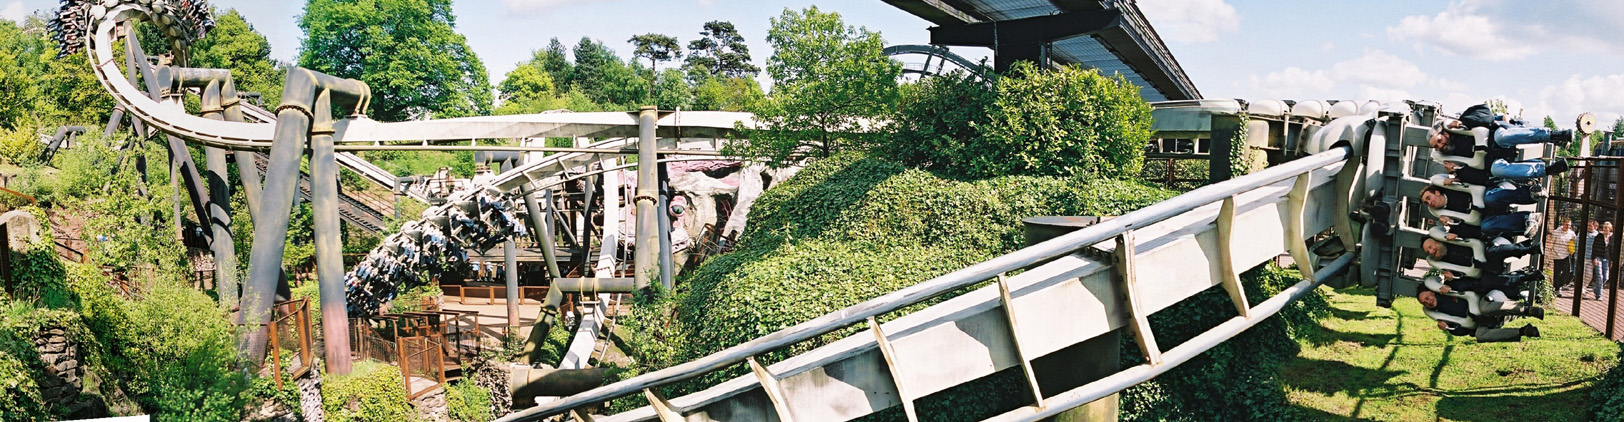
point(1560, 244)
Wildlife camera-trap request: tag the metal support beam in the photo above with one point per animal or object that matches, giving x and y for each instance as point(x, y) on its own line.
point(1298, 240)
point(1226, 258)
point(335, 324)
point(222, 246)
point(663, 408)
point(891, 364)
point(664, 214)
point(1024, 39)
point(775, 393)
point(541, 228)
point(646, 262)
point(510, 269)
point(1141, 320)
point(1015, 338)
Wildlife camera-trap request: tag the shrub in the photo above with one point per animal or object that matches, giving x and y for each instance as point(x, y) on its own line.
point(936, 122)
point(1063, 122)
point(20, 146)
point(372, 392)
point(466, 402)
point(847, 229)
point(1244, 369)
point(1607, 399)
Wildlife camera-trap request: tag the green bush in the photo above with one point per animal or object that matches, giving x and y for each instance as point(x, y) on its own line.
point(21, 369)
point(936, 123)
point(466, 402)
point(20, 146)
point(1062, 122)
point(847, 229)
point(37, 276)
point(1239, 379)
point(372, 392)
point(1607, 399)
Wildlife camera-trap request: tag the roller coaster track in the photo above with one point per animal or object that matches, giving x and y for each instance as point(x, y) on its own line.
point(1041, 300)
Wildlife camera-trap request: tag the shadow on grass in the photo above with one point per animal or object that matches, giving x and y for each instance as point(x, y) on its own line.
point(1323, 336)
point(1330, 377)
point(1530, 402)
point(1311, 414)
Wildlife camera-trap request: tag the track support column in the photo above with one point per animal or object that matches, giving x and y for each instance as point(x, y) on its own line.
point(335, 323)
point(647, 260)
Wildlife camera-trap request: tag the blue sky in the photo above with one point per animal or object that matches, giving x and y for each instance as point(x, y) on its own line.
point(1548, 58)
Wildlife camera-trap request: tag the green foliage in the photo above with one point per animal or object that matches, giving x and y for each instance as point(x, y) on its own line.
point(847, 229)
point(1607, 399)
point(20, 146)
point(37, 276)
point(407, 51)
point(671, 91)
point(467, 402)
point(38, 90)
point(372, 392)
point(936, 123)
point(656, 48)
point(1064, 122)
point(1244, 370)
point(412, 299)
point(607, 80)
point(21, 370)
point(720, 52)
point(830, 83)
point(728, 94)
point(233, 44)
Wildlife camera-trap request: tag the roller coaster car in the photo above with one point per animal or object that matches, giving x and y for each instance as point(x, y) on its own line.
point(1434, 283)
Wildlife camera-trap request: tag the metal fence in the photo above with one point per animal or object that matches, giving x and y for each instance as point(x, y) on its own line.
point(1581, 240)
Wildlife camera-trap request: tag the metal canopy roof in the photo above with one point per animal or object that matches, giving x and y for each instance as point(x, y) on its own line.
point(1129, 47)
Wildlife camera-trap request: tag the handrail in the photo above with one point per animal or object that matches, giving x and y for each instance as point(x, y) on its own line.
point(925, 290)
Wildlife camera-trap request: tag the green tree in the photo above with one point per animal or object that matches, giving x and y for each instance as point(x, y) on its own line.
point(526, 82)
point(830, 83)
point(236, 46)
point(1063, 122)
point(721, 51)
point(728, 94)
point(1618, 128)
point(407, 51)
point(607, 80)
point(555, 61)
point(671, 91)
point(656, 48)
point(936, 121)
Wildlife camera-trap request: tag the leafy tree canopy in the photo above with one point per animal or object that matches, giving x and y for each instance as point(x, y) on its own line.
point(236, 46)
point(407, 51)
point(656, 48)
point(721, 51)
point(830, 84)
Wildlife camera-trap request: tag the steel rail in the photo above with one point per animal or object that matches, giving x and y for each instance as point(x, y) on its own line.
point(928, 289)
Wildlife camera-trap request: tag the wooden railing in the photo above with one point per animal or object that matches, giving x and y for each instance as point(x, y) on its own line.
point(292, 316)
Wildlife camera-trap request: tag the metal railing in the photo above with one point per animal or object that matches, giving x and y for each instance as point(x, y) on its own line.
point(989, 270)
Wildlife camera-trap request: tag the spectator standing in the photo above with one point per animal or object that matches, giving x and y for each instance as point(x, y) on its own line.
point(1560, 243)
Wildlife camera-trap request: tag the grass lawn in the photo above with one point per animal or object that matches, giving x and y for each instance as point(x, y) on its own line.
point(1370, 363)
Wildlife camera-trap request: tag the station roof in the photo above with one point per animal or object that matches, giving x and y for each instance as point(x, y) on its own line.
point(1126, 46)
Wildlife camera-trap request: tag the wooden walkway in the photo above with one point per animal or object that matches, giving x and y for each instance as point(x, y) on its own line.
point(1592, 311)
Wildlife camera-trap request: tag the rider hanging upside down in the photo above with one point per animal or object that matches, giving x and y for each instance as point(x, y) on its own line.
point(1454, 315)
point(1456, 138)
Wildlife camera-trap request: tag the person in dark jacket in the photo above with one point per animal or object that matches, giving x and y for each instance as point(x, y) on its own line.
point(1508, 283)
point(1495, 200)
point(1487, 330)
point(1462, 256)
point(1503, 225)
point(1503, 136)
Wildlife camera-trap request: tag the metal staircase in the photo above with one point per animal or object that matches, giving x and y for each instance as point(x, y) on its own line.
point(367, 212)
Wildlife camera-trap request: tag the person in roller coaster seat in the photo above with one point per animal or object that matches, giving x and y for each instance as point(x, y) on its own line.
point(1529, 169)
point(1506, 225)
point(1462, 256)
point(1496, 200)
point(1488, 323)
point(1510, 283)
point(1504, 136)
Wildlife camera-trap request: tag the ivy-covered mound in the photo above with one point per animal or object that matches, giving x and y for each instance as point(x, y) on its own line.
point(847, 229)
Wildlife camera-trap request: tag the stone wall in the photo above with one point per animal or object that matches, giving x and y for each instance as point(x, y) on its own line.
point(63, 382)
point(432, 406)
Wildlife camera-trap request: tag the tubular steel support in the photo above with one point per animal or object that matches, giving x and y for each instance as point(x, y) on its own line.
point(293, 127)
point(646, 261)
point(329, 239)
point(224, 249)
point(664, 214)
point(510, 269)
point(541, 228)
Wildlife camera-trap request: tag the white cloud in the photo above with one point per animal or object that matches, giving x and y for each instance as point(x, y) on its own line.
point(1449, 85)
point(1565, 100)
point(1328, 46)
point(1374, 75)
point(1191, 21)
point(1499, 30)
point(13, 12)
point(533, 6)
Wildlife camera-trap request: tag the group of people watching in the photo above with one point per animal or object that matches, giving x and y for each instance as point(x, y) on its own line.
point(1472, 293)
point(1590, 270)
